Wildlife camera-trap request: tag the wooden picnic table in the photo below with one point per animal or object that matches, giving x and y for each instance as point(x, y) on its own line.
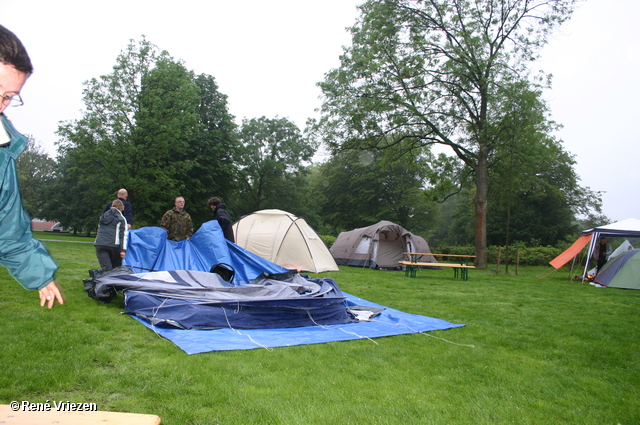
point(411, 266)
point(20, 417)
point(415, 256)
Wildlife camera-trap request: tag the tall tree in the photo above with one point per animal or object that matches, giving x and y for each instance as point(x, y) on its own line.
point(72, 200)
point(358, 189)
point(431, 70)
point(166, 125)
point(214, 172)
point(35, 175)
point(272, 163)
point(157, 130)
point(101, 146)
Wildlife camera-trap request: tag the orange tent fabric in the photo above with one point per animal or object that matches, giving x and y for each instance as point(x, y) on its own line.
point(571, 252)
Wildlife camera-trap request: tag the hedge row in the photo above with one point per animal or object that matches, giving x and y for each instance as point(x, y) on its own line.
point(536, 256)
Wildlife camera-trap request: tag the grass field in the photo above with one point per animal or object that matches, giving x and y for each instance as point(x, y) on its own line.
point(548, 351)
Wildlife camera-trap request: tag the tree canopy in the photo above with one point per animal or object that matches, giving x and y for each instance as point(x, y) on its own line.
point(154, 128)
point(432, 72)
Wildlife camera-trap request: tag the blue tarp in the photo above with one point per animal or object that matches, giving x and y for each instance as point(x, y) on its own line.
point(390, 322)
point(149, 249)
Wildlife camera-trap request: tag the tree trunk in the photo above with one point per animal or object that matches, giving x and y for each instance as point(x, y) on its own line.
point(480, 202)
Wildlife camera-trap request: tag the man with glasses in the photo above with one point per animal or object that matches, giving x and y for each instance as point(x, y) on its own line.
point(26, 258)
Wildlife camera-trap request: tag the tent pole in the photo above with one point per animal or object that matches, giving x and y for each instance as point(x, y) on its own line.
point(595, 237)
point(573, 263)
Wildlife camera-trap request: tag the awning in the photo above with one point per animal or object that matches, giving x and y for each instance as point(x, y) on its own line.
point(571, 252)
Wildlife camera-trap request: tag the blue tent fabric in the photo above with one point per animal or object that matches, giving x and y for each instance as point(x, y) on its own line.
point(149, 249)
point(390, 322)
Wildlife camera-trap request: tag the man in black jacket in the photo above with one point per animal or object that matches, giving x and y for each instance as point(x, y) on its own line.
point(220, 213)
point(128, 208)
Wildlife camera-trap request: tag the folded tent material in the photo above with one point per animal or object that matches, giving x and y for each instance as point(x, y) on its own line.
point(200, 300)
point(150, 250)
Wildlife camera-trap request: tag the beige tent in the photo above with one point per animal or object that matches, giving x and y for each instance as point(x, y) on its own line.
point(284, 239)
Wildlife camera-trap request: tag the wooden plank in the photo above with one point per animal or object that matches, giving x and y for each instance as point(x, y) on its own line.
point(439, 255)
point(22, 417)
point(460, 266)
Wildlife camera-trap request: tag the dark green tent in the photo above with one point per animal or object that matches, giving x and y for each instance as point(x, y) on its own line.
point(621, 272)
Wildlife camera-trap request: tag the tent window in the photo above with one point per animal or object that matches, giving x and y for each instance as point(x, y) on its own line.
point(363, 246)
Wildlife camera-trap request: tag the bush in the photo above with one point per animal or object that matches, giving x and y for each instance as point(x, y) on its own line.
point(328, 240)
point(529, 256)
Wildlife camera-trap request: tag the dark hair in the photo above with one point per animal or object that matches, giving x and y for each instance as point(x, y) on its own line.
point(215, 201)
point(13, 53)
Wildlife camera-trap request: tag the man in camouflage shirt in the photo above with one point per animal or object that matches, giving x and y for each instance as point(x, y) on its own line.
point(177, 222)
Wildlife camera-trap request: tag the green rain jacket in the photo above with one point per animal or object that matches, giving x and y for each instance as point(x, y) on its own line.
point(26, 258)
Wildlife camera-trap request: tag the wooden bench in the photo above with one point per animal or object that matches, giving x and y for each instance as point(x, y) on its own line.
point(21, 417)
point(411, 268)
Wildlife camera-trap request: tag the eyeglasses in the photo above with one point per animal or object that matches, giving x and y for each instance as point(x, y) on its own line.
point(12, 100)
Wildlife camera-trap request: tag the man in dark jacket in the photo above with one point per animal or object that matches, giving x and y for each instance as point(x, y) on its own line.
point(128, 208)
point(220, 213)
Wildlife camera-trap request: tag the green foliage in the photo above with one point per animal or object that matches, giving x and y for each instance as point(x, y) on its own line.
point(328, 240)
point(155, 129)
point(528, 256)
point(35, 177)
point(271, 163)
point(72, 199)
point(359, 188)
point(424, 73)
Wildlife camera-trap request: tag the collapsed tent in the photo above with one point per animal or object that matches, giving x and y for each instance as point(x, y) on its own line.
point(200, 300)
point(284, 239)
point(621, 272)
point(378, 246)
point(259, 304)
point(628, 228)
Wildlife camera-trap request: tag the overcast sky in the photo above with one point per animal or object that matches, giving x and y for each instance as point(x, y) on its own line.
point(267, 57)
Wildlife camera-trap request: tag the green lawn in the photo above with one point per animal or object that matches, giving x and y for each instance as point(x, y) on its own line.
point(532, 352)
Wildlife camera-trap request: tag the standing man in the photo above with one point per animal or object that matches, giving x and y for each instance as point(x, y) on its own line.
point(26, 258)
point(600, 252)
point(220, 213)
point(177, 222)
point(128, 208)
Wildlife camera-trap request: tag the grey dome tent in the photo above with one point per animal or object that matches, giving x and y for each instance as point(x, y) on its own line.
point(378, 246)
point(621, 272)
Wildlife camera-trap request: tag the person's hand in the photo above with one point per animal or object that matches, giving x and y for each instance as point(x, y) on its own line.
point(49, 294)
point(122, 254)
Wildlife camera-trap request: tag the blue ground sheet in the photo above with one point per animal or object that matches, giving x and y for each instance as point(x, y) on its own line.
point(149, 249)
point(390, 322)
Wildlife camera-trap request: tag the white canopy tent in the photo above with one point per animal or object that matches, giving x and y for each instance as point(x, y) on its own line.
point(629, 228)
